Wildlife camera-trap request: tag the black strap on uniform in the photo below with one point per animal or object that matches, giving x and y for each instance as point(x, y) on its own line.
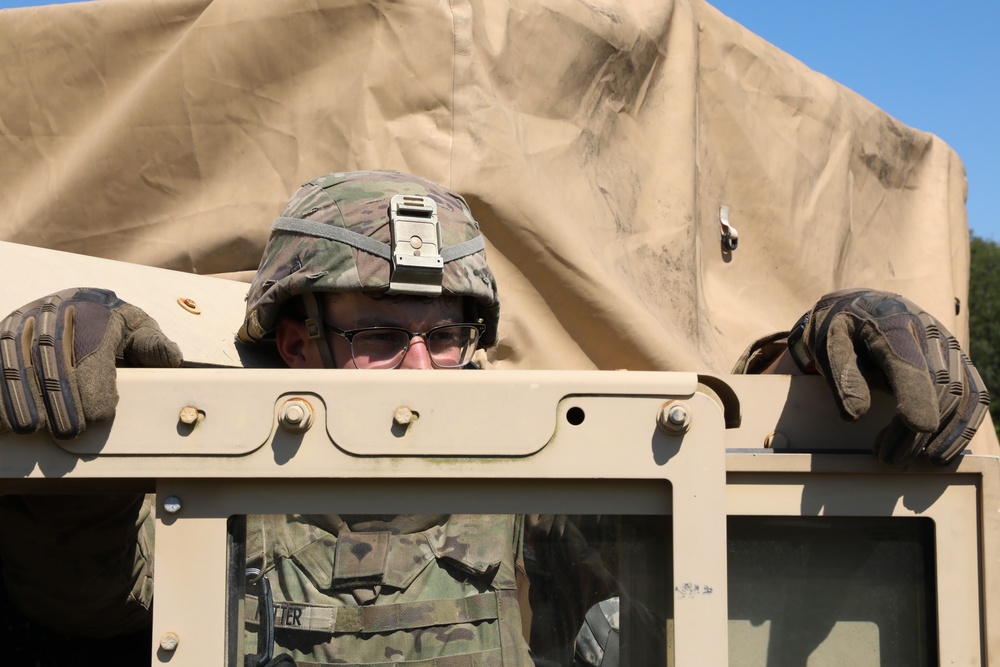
point(265, 631)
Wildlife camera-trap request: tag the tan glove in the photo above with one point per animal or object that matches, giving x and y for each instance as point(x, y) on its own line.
point(59, 357)
point(857, 338)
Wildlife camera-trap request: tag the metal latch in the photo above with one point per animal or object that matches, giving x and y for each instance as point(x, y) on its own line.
point(417, 267)
point(730, 237)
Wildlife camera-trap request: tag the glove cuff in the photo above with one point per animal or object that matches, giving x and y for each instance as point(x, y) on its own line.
point(797, 347)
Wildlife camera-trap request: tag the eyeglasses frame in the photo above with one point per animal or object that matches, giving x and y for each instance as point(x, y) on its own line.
point(349, 334)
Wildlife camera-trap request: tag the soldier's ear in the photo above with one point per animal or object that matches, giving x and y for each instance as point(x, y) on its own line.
point(293, 343)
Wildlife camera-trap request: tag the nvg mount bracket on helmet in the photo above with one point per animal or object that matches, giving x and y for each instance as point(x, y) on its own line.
point(417, 265)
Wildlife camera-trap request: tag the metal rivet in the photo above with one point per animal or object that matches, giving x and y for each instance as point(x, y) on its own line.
point(172, 505)
point(189, 305)
point(674, 417)
point(169, 641)
point(189, 414)
point(296, 415)
point(403, 416)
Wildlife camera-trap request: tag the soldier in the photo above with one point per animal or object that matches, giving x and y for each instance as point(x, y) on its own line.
point(383, 270)
point(380, 270)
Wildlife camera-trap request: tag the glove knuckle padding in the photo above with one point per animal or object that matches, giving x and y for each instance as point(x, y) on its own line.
point(52, 353)
point(21, 397)
point(970, 407)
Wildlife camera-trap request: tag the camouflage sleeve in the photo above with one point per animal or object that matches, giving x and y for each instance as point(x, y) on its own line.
point(566, 560)
point(80, 564)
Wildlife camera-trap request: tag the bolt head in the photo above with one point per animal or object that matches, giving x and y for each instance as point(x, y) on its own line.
point(677, 415)
point(189, 415)
point(402, 416)
point(172, 505)
point(674, 418)
point(169, 641)
point(296, 415)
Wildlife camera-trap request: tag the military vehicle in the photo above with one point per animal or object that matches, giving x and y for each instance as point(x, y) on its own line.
point(742, 520)
point(611, 150)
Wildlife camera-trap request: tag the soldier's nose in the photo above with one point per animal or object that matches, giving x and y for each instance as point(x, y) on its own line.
point(417, 356)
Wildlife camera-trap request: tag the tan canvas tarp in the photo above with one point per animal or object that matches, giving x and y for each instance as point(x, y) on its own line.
point(596, 142)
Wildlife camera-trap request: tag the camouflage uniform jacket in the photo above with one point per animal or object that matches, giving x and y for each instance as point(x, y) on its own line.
point(408, 590)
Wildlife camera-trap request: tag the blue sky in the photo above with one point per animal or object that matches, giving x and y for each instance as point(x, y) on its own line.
point(933, 65)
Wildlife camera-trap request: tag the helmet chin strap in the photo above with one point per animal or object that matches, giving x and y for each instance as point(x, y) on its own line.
point(314, 325)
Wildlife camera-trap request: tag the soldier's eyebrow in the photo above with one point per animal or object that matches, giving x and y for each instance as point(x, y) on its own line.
point(381, 320)
point(389, 320)
point(362, 316)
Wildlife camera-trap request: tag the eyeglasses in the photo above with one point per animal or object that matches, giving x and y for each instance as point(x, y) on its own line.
point(449, 345)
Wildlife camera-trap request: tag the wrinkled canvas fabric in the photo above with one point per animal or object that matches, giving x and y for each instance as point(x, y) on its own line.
point(595, 143)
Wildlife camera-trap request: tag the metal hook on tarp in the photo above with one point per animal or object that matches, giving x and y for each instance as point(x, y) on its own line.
point(730, 237)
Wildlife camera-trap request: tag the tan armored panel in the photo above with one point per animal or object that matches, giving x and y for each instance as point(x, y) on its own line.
point(201, 314)
point(730, 466)
point(612, 444)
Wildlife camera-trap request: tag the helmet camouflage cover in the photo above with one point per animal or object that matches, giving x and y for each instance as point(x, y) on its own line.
point(334, 235)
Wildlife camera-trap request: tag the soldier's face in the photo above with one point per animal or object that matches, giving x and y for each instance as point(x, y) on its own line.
point(355, 310)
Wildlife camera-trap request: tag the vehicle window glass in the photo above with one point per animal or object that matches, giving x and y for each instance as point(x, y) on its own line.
point(585, 583)
point(831, 590)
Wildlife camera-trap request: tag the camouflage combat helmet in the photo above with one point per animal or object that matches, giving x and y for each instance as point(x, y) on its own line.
point(371, 231)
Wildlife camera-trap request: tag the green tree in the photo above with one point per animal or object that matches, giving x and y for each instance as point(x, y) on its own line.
point(984, 317)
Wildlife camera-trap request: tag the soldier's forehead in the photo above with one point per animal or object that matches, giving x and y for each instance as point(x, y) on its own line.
point(378, 303)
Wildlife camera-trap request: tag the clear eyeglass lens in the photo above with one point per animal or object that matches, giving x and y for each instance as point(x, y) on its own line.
point(449, 346)
point(452, 346)
point(379, 348)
